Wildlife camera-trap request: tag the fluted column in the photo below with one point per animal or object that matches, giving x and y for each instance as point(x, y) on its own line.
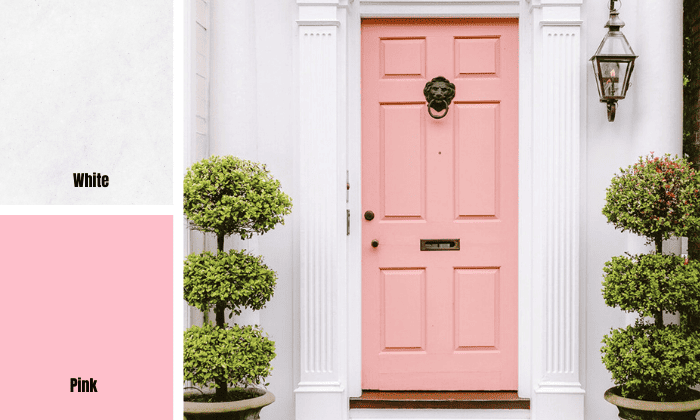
point(557, 188)
point(320, 392)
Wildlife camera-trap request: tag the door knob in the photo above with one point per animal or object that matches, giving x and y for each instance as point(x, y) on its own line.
point(369, 215)
point(375, 243)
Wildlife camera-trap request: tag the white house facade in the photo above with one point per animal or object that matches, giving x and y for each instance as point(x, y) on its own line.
point(281, 82)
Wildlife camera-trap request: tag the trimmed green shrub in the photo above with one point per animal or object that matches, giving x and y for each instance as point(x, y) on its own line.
point(653, 364)
point(234, 279)
point(651, 282)
point(656, 198)
point(227, 195)
point(242, 354)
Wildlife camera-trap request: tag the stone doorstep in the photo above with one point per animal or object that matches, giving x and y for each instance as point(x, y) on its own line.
point(497, 400)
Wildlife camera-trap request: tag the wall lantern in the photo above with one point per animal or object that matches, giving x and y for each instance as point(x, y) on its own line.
point(613, 63)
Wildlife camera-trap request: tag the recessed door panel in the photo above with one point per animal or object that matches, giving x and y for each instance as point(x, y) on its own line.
point(403, 309)
point(477, 56)
point(402, 157)
point(439, 262)
point(476, 141)
point(403, 57)
point(476, 309)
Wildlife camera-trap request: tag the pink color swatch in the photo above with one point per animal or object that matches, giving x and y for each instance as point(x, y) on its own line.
point(89, 297)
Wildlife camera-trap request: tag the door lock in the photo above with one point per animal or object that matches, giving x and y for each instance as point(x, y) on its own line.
point(369, 215)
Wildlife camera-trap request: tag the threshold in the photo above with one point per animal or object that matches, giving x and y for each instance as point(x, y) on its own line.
point(460, 400)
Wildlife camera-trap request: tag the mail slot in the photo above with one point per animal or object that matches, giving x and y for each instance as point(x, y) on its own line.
point(439, 244)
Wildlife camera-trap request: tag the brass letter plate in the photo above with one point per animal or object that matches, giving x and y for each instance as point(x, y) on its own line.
point(439, 244)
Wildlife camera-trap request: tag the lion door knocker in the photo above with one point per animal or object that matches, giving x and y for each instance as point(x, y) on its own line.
point(439, 93)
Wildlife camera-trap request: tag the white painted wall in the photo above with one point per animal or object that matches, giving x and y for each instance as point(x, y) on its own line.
point(252, 115)
point(649, 119)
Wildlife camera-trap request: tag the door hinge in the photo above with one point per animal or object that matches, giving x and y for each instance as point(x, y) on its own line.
point(347, 199)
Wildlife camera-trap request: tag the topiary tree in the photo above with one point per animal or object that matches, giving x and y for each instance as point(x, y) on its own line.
point(226, 196)
point(658, 198)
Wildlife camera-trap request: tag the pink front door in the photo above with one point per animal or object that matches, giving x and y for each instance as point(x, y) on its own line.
point(440, 318)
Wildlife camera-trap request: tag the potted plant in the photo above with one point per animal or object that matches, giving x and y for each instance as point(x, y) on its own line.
point(654, 364)
point(229, 196)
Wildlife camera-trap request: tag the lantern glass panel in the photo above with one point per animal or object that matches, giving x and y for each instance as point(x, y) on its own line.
point(613, 64)
point(614, 43)
point(612, 75)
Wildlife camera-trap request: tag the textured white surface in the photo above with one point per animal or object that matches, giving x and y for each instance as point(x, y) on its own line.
point(86, 86)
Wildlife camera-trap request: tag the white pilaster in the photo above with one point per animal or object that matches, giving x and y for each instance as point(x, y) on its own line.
point(321, 390)
point(556, 178)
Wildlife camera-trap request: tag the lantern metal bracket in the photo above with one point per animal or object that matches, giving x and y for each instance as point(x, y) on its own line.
point(612, 107)
point(612, 5)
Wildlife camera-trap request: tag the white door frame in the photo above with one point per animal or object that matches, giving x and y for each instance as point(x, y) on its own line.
point(552, 91)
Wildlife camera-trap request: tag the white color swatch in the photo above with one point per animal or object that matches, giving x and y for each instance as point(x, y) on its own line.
point(86, 86)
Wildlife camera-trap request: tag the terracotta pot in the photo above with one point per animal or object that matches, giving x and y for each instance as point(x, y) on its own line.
point(235, 410)
point(631, 409)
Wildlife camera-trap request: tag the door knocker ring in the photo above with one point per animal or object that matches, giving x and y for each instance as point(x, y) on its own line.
point(439, 93)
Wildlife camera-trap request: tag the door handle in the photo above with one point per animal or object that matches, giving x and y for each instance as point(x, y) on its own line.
point(375, 243)
point(369, 215)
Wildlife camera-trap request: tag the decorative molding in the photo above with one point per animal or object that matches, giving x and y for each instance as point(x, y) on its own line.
point(548, 3)
point(331, 3)
point(444, 8)
point(561, 23)
point(319, 387)
point(450, 2)
point(318, 22)
point(560, 388)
